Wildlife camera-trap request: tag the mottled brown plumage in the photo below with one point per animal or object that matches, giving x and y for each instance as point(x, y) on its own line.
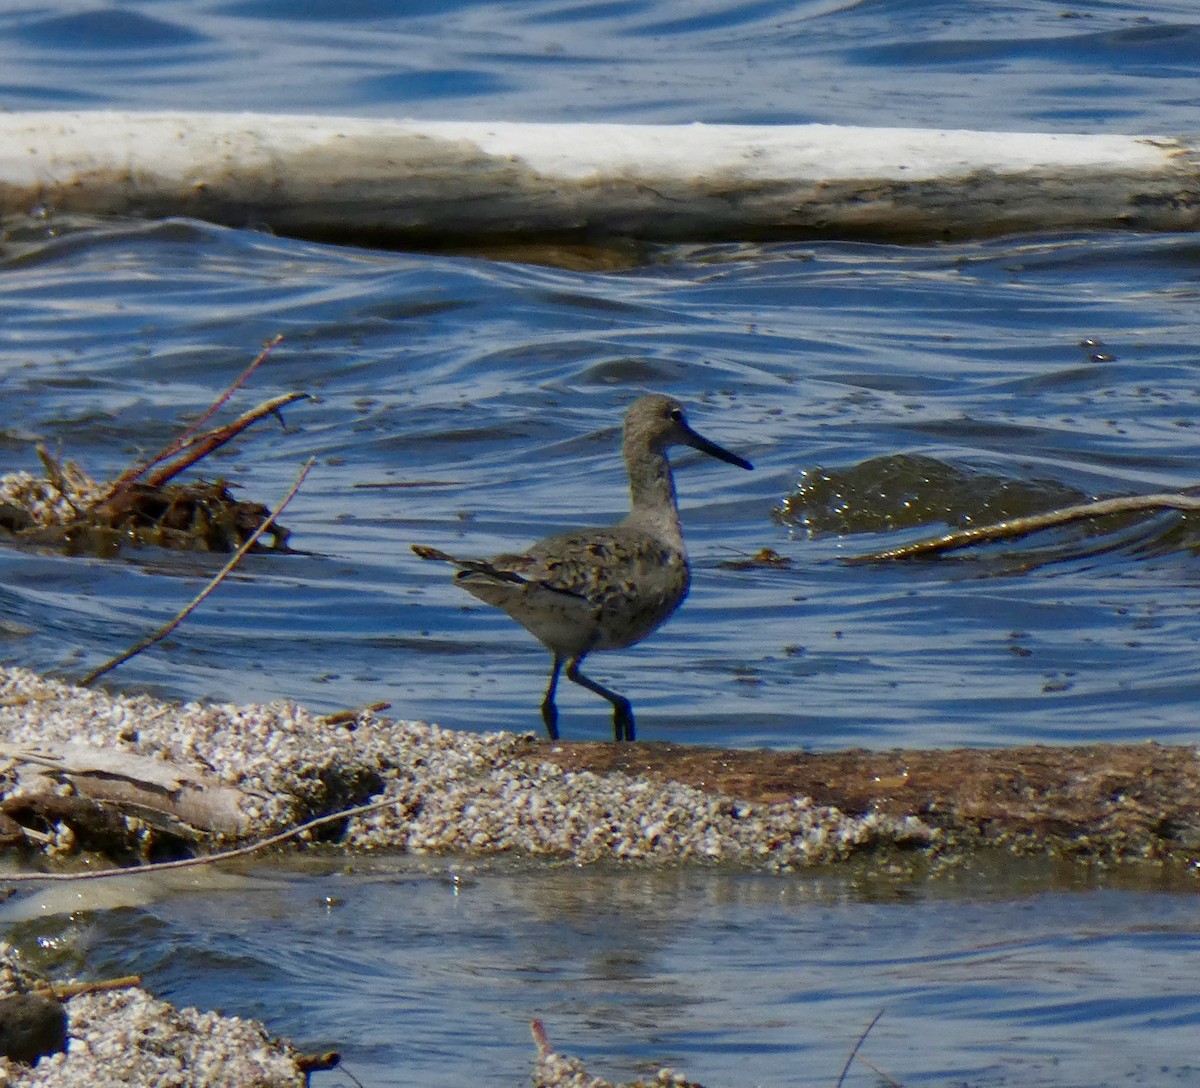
point(603, 588)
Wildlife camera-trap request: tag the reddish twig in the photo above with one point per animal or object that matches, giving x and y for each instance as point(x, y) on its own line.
point(215, 581)
point(238, 382)
point(201, 445)
point(854, 1050)
point(538, 1030)
point(180, 443)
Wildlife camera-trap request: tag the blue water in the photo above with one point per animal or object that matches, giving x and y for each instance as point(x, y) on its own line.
point(495, 392)
point(424, 973)
point(492, 391)
point(1022, 65)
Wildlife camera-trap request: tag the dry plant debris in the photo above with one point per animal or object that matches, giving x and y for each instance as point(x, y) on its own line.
point(67, 509)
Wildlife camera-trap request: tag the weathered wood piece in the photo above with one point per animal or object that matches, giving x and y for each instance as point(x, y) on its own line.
point(429, 182)
point(1095, 801)
point(72, 780)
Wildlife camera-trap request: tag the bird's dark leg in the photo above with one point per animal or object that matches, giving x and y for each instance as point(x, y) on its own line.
point(549, 710)
point(622, 708)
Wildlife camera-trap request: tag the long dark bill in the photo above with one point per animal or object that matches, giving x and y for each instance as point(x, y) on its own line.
point(699, 442)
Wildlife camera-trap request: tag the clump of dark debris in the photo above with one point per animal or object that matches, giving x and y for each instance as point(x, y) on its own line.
point(145, 505)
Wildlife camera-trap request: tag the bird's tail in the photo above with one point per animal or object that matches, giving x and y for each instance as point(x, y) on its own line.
point(426, 552)
point(468, 567)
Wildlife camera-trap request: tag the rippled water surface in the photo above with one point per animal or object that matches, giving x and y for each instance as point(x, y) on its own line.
point(424, 974)
point(473, 404)
point(1020, 65)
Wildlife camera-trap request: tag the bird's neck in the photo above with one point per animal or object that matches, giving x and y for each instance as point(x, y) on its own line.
point(652, 494)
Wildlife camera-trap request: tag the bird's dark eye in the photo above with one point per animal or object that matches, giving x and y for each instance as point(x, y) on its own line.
point(676, 414)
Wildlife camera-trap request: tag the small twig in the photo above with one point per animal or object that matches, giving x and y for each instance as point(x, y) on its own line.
point(207, 859)
point(322, 1063)
point(854, 1050)
point(538, 1031)
point(215, 581)
point(54, 472)
point(57, 477)
point(764, 557)
point(1023, 526)
point(341, 717)
point(30, 697)
point(346, 1072)
point(41, 837)
point(201, 445)
point(181, 442)
point(60, 991)
point(238, 382)
point(882, 1074)
point(393, 484)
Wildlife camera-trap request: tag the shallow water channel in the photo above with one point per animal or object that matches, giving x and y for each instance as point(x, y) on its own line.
point(424, 972)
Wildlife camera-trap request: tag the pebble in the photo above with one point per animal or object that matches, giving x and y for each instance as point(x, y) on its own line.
point(31, 1027)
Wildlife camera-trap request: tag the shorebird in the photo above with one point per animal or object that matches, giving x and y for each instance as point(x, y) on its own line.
point(605, 588)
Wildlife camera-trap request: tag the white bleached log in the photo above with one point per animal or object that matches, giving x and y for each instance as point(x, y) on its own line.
point(397, 182)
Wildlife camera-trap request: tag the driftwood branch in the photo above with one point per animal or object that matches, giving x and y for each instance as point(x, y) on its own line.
point(174, 798)
point(216, 580)
point(1015, 528)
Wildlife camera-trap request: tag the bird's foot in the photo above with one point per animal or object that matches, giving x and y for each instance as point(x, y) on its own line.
point(550, 719)
point(623, 721)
